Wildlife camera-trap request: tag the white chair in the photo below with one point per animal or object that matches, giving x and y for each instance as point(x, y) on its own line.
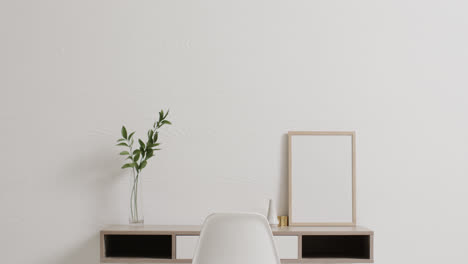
point(236, 238)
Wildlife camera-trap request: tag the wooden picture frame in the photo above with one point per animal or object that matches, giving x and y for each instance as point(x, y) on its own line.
point(311, 190)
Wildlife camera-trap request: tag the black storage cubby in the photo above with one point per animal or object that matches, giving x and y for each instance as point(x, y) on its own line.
point(138, 246)
point(336, 246)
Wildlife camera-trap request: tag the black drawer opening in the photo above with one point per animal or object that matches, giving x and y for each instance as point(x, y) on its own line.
point(340, 246)
point(138, 246)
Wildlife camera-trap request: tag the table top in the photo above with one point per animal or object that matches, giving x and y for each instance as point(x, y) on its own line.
point(195, 230)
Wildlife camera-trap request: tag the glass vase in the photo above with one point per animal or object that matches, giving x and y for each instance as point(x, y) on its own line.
point(136, 201)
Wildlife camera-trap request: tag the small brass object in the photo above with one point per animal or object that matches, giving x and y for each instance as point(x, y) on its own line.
point(283, 220)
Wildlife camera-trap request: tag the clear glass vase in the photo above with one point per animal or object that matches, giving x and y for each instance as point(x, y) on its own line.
point(136, 201)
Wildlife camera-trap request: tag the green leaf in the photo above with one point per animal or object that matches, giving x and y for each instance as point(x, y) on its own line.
point(131, 135)
point(129, 165)
point(143, 164)
point(153, 145)
point(136, 157)
point(166, 114)
point(156, 149)
point(136, 151)
point(122, 144)
point(124, 153)
point(155, 139)
point(149, 152)
point(142, 144)
point(149, 156)
point(124, 132)
point(122, 139)
point(161, 115)
point(150, 137)
point(166, 122)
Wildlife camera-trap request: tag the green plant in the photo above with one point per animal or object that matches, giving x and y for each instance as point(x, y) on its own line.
point(138, 157)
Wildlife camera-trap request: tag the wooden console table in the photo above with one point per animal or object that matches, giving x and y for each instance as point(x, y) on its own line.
point(176, 244)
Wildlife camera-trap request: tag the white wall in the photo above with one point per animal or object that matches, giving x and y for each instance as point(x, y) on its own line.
point(237, 75)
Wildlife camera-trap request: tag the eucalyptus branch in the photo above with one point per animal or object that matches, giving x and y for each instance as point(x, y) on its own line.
point(140, 156)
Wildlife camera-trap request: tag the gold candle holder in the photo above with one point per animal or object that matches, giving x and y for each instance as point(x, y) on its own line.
point(283, 221)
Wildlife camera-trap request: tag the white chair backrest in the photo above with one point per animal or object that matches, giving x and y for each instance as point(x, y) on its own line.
point(236, 238)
